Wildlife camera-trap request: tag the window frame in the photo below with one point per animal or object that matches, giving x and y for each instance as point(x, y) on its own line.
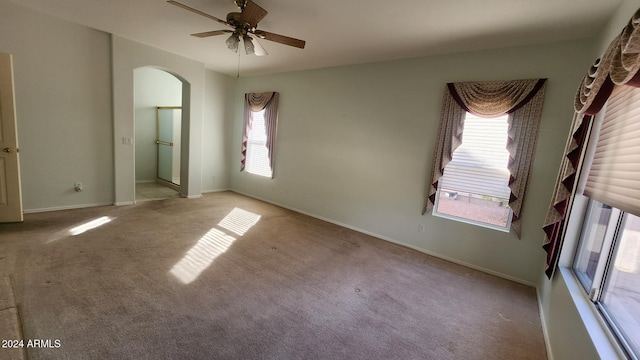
point(506, 229)
point(607, 337)
point(609, 236)
point(602, 275)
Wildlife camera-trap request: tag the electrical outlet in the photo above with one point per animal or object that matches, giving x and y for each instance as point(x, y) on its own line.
point(420, 228)
point(77, 187)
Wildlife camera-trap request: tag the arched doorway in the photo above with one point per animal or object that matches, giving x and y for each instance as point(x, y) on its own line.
point(128, 56)
point(158, 97)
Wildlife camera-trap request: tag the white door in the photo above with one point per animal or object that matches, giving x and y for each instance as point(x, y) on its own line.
point(10, 194)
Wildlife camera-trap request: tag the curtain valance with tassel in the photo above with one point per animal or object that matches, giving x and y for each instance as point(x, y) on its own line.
point(521, 99)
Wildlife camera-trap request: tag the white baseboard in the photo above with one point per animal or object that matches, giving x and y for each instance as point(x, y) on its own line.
point(215, 190)
point(382, 237)
point(543, 322)
point(124, 203)
point(68, 207)
point(120, 203)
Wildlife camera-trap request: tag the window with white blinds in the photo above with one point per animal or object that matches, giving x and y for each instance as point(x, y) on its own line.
point(257, 161)
point(475, 184)
point(614, 176)
point(479, 164)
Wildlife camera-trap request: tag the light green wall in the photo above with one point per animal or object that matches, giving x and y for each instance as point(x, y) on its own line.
point(216, 131)
point(74, 97)
point(355, 147)
point(62, 75)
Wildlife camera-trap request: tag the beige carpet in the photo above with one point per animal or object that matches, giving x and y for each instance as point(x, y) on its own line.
point(229, 277)
point(10, 333)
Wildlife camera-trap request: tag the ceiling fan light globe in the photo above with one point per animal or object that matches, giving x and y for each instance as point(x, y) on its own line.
point(232, 42)
point(249, 48)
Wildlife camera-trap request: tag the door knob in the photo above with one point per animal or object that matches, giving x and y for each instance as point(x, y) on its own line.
point(8, 150)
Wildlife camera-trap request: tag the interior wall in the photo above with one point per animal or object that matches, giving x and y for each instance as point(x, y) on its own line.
point(219, 93)
point(62, 77)
point(67, 126)
point(153, 88)
point(355, 146)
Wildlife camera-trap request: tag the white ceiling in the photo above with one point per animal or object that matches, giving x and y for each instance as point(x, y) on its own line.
point(340, 32)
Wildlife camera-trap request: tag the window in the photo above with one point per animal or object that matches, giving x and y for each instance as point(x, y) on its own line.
point(522, 100)
point(607, 263)
point(260, 127)
point(607, 258)
point(600, 224)
point(257, 155)
point(475, 185)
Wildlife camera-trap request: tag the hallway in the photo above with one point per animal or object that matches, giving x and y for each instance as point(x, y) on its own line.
point(153, 191)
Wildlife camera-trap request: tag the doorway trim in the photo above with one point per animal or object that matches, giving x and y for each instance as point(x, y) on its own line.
point(170, 184)
point(10, 187)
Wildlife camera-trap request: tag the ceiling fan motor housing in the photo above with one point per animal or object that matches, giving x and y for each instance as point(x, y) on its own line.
point(233, 18)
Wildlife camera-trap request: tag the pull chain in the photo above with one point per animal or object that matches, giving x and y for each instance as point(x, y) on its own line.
point(238, 73)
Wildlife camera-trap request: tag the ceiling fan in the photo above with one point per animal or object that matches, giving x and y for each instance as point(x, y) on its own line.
point(243, 23)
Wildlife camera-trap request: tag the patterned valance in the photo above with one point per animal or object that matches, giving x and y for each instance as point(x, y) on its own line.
point(618, 65)
point(494, 98)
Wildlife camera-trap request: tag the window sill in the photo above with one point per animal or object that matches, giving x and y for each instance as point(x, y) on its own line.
point(473, 222)
point(602, 338)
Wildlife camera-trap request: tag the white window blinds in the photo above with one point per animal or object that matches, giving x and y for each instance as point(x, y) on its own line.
point(479, 164)
point(614, 176)
point(257, 153)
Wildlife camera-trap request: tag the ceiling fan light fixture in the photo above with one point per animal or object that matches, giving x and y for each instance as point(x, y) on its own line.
point(243, 23)
point(232, 42)
point(249, 48)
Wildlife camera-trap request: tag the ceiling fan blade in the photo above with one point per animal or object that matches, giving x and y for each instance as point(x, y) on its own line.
point(280, 39)
point(189, 8)
point(252, 13)
point(258, 49)
point(211, 33)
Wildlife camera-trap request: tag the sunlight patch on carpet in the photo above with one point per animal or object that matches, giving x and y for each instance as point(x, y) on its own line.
point(212, 244)
point(89, 225)
point(239, 221)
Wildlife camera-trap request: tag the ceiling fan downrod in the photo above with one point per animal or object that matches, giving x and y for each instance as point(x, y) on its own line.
point(240, 3)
